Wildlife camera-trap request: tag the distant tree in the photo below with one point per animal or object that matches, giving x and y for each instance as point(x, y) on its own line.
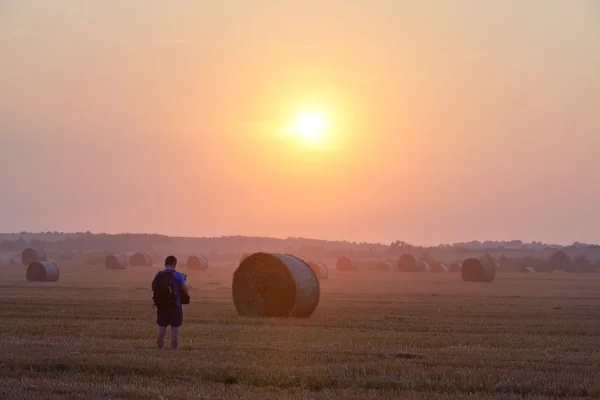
point(559, 260)
point(581, 261)
point(581, 264)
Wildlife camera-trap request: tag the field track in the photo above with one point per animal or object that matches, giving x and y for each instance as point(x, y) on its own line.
point(373, 336)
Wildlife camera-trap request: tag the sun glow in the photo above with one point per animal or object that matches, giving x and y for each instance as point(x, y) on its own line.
point(309, 125)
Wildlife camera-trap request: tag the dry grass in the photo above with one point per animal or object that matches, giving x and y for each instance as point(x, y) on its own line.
point(373, 336)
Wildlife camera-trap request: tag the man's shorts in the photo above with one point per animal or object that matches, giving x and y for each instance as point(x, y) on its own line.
point(173, 317)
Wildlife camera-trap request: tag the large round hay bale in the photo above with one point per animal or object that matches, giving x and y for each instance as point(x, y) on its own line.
point(275, 285)
point(140, 260)
point(384, 267)
point(197, 262)
point(345, 264)
point(33, 254)
point(410, 263)
point(480, 269)
point(115, 261)
point(44, 271)
point(320, 270)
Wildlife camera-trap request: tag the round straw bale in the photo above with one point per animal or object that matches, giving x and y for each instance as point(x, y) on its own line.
point(320, 270)
point(480, 269)
point(275, 285)
point(197, 262)
point(44, 271)
point(384, 267)
point(410, 263)
point(33, 254)
point(345, 264)
point(115, 261)
point(140, 260)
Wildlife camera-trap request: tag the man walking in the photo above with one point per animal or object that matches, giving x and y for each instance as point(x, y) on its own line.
point(169, 287)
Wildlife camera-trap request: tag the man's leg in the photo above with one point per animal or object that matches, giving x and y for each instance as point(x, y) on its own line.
point(160, 342)
point(176, 322)
point(174, 337)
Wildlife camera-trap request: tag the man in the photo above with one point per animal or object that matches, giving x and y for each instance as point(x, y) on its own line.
point(169, 312)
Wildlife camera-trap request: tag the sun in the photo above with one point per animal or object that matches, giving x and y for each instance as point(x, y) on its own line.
point(309, 125)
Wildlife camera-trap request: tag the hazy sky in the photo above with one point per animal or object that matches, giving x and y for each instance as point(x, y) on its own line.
point(445, 120)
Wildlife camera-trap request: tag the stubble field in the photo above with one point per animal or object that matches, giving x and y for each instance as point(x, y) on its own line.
point(373, 336)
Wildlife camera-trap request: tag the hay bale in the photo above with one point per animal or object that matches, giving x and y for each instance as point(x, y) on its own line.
point(197, 262)
point(275, 285)
point(529, 270)
point(33, 254)
point(384, 267)
point(345, 264)
point(454, 268)
point(480, 269)
point(115, 261)
point(410, 263)
point(140, 260)
point(320, 270)
point(44, 271)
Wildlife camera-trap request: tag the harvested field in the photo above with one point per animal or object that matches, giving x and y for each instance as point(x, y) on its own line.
point(91, 335)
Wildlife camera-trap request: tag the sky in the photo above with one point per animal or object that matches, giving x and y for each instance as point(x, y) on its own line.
point(442, 121)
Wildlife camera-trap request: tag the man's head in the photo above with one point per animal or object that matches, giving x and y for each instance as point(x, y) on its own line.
point(171, 262)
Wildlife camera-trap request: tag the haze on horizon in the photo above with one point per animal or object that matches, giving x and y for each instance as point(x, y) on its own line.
point(444, 121)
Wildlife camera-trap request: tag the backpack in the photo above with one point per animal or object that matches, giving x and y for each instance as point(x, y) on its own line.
point(163, 287)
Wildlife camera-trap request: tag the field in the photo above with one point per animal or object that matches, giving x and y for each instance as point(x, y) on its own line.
point(373, 336)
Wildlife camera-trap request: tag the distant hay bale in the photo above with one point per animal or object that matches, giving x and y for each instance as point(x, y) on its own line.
point(320, 270)
point(384, 267)
point(275, 285)
point(529, 270)
point(410, 263)
point(345, 264)
point(480, 269)
point(44, 271)
point(454, 268)
point(33, 254)
point(140, 260)
point(197, 262)
point(115, 261)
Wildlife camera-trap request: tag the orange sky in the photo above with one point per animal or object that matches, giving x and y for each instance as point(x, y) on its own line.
point(446, 121)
